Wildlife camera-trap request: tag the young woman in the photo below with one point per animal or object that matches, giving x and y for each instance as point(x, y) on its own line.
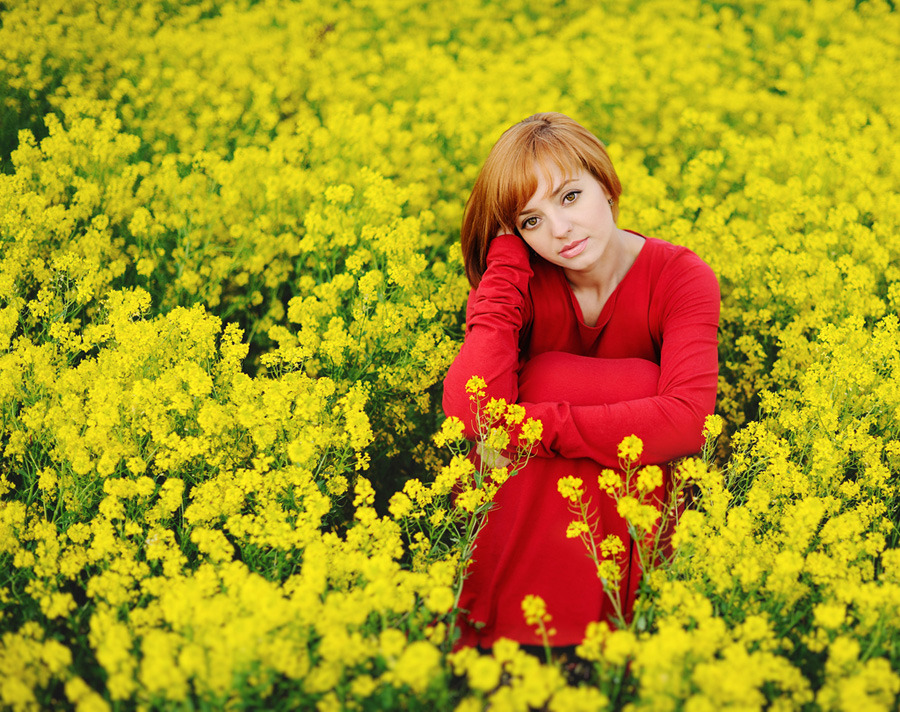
point(600, 333)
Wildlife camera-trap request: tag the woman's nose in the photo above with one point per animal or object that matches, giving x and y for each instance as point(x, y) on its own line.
point(560, 225)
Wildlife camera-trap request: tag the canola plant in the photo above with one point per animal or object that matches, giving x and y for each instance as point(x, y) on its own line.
point(230, 286)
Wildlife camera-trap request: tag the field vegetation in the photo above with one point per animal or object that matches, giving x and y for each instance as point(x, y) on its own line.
point(230, 286)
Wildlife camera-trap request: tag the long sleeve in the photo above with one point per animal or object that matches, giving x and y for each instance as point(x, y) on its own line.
point(495, 314)
point(685, 311)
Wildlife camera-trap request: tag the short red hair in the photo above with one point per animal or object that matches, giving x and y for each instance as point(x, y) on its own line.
point(508, 178)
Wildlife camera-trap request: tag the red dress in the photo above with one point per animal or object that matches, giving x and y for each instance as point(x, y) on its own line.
point(649, 368)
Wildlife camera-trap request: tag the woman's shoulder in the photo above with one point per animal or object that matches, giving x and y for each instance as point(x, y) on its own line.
point(676, 275)
point(662, 256)
point(663, 250)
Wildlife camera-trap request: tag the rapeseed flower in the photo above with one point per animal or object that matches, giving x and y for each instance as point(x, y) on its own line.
point(230, 288)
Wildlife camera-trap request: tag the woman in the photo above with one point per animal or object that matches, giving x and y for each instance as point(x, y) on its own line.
point(599, 333)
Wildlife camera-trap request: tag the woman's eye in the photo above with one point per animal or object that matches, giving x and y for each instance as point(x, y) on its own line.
point(529, 222)
point(570, 196)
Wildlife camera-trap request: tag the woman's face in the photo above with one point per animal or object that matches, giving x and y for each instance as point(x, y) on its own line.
point(568, 221)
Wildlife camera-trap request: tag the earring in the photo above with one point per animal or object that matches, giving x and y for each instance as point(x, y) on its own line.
point(610, 201)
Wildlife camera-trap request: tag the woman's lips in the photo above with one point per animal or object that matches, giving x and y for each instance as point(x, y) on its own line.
point(573, 249)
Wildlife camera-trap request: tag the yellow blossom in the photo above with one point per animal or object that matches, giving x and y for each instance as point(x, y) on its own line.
point(571, 488)
point(630, 449)
point(476, 386)
point(649, 478)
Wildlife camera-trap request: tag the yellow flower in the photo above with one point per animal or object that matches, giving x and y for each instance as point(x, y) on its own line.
point(400, 505)
point(494, 411)
point(712, 426)
point(515, 414)
point(535, 610)
point(451, 431)
point(620, 645)
point(571, 488)
point(500, 475)
point(83, 697)
point(595, 635)
point(643, 516)
point(505, 650)
point(476, 387)
point(649, 478)
point(470, 704)
point(362, 686)
point(497, 440)
point(417, 666)
point(531, 431)
point(578, 699)
point(830, 616)
point(609, 571)
point(612, 546)
point(630, 449)
point(469, 500)
point(440, 599)
point(483, 673)
point(610, 481)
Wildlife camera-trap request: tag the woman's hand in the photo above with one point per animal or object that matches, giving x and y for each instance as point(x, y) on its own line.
point(491, 457)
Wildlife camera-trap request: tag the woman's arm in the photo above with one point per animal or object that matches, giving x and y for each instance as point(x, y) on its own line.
point(496, 312)
point(685, 309)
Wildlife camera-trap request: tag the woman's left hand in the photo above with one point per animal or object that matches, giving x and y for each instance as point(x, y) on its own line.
point(491, 457)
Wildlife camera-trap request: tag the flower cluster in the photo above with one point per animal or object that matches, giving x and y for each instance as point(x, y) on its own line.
point(443, 518)
point(230, 285)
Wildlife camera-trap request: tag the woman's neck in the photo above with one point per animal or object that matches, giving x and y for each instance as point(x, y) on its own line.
point(620, 253)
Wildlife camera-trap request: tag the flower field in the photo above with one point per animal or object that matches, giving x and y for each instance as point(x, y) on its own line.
point(231, 285)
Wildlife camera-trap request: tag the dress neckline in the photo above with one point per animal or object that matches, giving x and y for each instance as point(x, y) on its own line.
point(609, 305)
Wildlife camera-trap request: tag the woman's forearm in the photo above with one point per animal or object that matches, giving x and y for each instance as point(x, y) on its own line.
point(592, 406)
point(497, 311)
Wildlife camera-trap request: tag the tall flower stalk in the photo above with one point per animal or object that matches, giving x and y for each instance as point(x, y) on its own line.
point(443, 519)
point(650, 518)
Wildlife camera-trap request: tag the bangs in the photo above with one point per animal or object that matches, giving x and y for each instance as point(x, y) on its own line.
point(538, 157)
point(539, 146)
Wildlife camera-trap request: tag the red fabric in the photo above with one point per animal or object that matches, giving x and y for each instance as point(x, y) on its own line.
point(649, 367)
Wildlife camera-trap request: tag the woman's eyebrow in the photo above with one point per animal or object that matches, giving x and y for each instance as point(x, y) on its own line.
point(552, 194)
